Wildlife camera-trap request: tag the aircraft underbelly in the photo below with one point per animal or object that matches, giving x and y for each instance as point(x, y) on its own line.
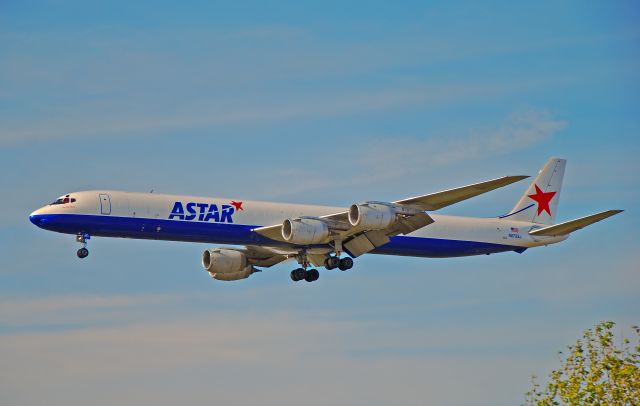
point(439, 247)
point(240, 234)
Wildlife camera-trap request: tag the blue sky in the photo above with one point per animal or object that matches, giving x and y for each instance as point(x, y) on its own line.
point(314, 103)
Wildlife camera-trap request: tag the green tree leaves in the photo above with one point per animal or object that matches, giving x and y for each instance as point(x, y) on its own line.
point(595, 372)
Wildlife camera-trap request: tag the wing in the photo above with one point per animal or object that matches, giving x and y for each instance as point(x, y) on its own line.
point(264, 257)
point(409, 216)
point(438, 200)
point(573, 225)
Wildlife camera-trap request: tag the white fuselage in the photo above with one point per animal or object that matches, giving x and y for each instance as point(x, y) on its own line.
point(227, 221)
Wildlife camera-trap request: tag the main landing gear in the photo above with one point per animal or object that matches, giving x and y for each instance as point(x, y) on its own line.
point(335, 262)
point(82, 238)
point(310, 275)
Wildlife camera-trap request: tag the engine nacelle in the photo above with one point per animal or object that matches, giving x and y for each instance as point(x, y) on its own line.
point(226, 265)
point(305, 230)
point(233, 276)
point(372, 215)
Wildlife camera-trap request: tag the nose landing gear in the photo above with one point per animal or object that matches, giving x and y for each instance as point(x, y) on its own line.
point(83, 253)
point(82, 238)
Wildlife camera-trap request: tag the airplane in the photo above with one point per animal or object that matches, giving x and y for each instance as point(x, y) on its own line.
point(316, 236)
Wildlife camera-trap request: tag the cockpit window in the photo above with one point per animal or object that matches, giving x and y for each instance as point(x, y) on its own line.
point(64, 200)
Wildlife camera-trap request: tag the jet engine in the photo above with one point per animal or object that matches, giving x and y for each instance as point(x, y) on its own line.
point(226, 264)
point(372, 216)
point(378, 215)
point(305, 230)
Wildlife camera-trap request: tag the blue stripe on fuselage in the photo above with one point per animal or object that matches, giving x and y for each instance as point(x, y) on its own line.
point(240, 234)
point(150, 229)
point(438, 248)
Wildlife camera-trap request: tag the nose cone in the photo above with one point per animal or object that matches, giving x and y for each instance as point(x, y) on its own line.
point(37, 218)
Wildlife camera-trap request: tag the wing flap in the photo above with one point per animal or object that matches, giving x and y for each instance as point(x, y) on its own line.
point(574, 225)
point(365, 242)
point(410, 224)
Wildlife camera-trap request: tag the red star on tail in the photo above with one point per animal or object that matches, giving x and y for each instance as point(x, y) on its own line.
point(237, 205)
point(542, 199)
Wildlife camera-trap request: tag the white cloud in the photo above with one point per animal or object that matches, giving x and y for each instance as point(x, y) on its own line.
point(93, 121)
point(396, 157)
point(271, 358)
point(519, 131)
point(21, 311)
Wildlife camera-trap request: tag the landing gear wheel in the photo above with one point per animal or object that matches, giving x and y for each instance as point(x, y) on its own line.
point(298, 274)
point(83, 253)
point(312, 275)
point(82, 239)
point(332, 263)
point(345, 263)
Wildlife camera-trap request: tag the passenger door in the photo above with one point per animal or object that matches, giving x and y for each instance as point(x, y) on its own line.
point(105, 203)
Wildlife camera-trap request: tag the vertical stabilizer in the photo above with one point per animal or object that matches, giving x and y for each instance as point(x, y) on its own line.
point(539, 204)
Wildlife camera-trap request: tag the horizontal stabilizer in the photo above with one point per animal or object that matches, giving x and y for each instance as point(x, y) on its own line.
point(573, 225)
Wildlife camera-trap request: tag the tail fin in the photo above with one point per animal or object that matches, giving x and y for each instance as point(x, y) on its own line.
point(539, 203)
